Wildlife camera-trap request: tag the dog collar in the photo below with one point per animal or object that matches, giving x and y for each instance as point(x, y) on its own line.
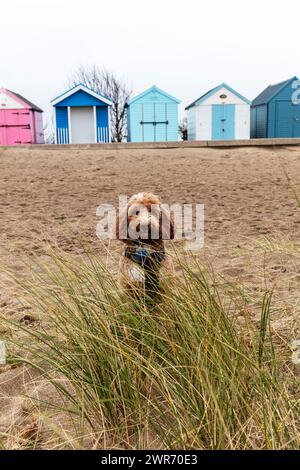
point(141, 256)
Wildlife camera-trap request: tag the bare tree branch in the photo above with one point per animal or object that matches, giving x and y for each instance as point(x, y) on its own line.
point(49, 128)
point(106, 83)
point(183, 129)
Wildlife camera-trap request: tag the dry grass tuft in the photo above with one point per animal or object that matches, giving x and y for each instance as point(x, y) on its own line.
point(184, 375)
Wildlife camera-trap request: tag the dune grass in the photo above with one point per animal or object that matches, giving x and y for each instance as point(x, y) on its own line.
point(183, 375)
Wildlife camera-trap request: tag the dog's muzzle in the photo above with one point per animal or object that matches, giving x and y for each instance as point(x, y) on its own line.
point(144, 257)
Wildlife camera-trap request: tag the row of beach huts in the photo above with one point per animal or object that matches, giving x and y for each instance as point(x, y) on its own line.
point(83, 116)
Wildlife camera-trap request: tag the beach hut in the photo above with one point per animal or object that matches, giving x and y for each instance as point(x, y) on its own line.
point(21, 121)
point(275, 113)
point(81, 116)
point(219, 114)
point(152, 116)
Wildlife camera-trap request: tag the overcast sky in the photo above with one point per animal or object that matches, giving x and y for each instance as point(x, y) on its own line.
point(183, 46)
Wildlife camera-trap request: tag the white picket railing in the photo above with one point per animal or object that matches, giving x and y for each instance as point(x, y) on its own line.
point(62, 135)
point(102, 134)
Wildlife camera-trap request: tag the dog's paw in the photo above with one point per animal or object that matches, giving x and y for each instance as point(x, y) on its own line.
point(135, 274)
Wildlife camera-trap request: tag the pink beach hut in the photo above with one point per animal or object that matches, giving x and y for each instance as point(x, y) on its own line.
point(21, 122)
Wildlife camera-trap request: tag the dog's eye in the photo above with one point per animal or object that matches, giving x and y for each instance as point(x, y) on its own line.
point(137, 212)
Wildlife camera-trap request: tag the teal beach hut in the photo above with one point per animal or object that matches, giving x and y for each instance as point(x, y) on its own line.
point(275, 113)
point(152, 116)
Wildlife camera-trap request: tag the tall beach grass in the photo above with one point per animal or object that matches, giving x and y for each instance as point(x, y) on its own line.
point(183, 375)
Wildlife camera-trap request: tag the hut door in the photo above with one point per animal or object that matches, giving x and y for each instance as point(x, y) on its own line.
point(287, 119)
point(154, 122)
point(147, 123)
point(15, 127)
point(223, 121)
point(161, 123)
point(25, 134)
point(2, 128)
point(2, 136)
point(296, 120)
point(82, 125)
point(13, 135)
point(284, 119)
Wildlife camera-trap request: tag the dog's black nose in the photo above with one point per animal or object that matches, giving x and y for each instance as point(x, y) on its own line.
point(142, 229)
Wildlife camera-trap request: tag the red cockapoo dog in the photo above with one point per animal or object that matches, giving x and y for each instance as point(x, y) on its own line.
point(143, 226)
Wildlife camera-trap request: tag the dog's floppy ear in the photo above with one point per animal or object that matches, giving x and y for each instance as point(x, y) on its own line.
point(166, 225)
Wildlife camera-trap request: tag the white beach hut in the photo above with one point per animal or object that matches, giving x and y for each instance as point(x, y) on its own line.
point(219, 114)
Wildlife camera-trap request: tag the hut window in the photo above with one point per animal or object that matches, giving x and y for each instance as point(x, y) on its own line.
point(223, 97)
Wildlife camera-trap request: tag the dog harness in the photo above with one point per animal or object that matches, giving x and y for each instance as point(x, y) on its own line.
point(143, 256)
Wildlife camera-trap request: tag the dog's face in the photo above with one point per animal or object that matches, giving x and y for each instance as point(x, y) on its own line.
point(145, 219)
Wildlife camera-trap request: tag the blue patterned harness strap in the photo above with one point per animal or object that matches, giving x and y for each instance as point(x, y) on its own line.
point(142, 256)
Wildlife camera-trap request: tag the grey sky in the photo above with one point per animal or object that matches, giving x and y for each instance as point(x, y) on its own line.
point(183, 46)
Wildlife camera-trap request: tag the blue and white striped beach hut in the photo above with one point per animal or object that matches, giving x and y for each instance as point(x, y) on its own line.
point(81, 116)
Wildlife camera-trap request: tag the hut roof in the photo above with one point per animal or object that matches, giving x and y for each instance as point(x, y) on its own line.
point(25, 101)
point(270, 92)
point(214, 90)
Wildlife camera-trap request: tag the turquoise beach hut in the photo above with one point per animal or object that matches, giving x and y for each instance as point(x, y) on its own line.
point(152, 116)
